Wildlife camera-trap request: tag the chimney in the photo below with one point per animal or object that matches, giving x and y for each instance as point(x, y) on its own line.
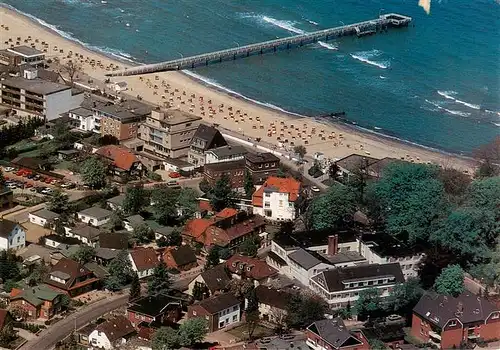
point(333, 244)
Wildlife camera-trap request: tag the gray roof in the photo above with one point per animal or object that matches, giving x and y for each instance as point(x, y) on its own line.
point(206, 133)
point(334, 332)
point(174, 116)
point(25, 51)
point(216, 278)
point(46, 214)
point(68, 250)
point(338, 279)
point(304, 258)
point(60, 274)
point(261, 157)
point(467, 307)
point(118, 200)
point(227, 151)
point(98, 270)
point(6, 227)
point(106, 253)
point(134, 219)
point(82, 111)
point(218, 303)
point(355, 161)
point(38, 86)
point(89, 232)
point(96, 212)
point(130, 109)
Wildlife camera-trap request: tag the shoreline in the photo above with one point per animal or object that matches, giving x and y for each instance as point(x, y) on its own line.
point(363, 138)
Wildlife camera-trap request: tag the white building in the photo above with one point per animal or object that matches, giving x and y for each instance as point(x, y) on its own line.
point(225, 154)
point(28, 55)
point(112, 333)
point(36, 96)
point(118, 86)
point(272, 304)
point(94, 216)
point(85, 118)
point(144, 261)
point(221, 311)
point(382, 249)
point(276, 199)
point(42, 217)
point(12, 235)
point(88, 235)
point(341, 286)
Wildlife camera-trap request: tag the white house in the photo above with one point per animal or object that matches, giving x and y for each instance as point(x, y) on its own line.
point(225, 154)
point(112, 333)
point(382, 249)
point(144, 261)
point(28, 55)
point(42, 217)
point(85, 118)
point(12, 235)
point(276, 199)
point(94, 216)
point(272, 304)
point(87, 234)
point(341, 286)
point(221, 311)
point(118, 86)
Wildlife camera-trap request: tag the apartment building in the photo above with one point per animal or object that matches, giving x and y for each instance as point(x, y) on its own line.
point(28, 55)
point(36, 96)
point(220, 311)
point(261, 166)
point(225, 154)
point(84, 119)
point(167, 133)
point(334, 335)
point(341, 286)
point(276, 199)
point(205, 138)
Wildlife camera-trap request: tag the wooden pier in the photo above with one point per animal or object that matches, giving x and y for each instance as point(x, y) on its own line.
point(391, 20)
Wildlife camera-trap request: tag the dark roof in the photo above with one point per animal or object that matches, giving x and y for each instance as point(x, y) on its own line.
point(89, 232)
point(116, 328)
point(261, 157)
point(6, 227)
point(385, 332)
point(153, 305)
point(225, 166)
point(251, 267)
point(304, 258)
point(216, 278)
point(46, 214)
point(97, 269)
point(118, 200)
point(69, 270)
point(386, 245)
point(209, 134)
point(26, 51)
point(144, 258)
point(277, 258)
point(95, 212)
point(227, 151)
point(378, 167)
point(63, 239)
point(467, 307)
point(37, 85)
point(307, 239)
point(334, 332)
point(273, 297)
point(355, 161)
point(113, 240)
point(124, 111)
point(336, 279)
point(82, 111)
point(106, 253)
point(219, 302)
point(183, 255)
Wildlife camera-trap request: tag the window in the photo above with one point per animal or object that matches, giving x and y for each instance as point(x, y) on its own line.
point(267, 165)
point(453, 323)
point(281, 203)
point(495, 315)
point(235, 307)
point(235, 317)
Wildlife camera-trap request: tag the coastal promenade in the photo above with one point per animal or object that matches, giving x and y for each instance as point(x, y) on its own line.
point(383, 22)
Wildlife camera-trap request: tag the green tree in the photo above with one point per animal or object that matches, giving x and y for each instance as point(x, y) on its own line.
point(213, 257)
point(59, 227)
point(136, 198)
point(200, 291)
point(9, 284)
point(410, 200)
point(7, 335)
point(450, 281)
point(38, 275)
point(143, 233)
point(192, 331)
point(159, 282)
point(377, 344)
point(489, 271)
point(250, 247)
point(252, 314)
point(304, 309)
point(225, 253)
point(485, 194)
point(58, 202)
point(165, 204)
point(333, 209)
point(84, 254)
point(188, 201)
point(165, 338)
point(249, 185)
point(9, 268)
point(120, 271)
point(174, 238)
point(205, 186)
point(281, 173)
point(93, 172)
point(369, 303)
point(2, 179)
point(222, 195)
point(116, 220)
point(300, 150)
point(135, 287)
point(404, 296)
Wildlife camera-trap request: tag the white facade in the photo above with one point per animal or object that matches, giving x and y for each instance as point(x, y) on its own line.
point(100, 340)
point(143, 273)
point(276, 206)
point(51, 243)
point(211, 157)
point(61, 102)
point(92, 220)
point(85, 122)
point(16, 239)
point(37, 220)
point(229, 316)
point(272, 313)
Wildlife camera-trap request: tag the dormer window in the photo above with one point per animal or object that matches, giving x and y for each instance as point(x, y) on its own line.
point(453, 323)
point(495, 315)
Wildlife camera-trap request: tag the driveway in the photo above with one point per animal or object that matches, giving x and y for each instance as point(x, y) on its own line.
point(49, 337)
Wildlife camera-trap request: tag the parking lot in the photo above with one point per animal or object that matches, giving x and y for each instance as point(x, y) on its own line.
point(25, 179)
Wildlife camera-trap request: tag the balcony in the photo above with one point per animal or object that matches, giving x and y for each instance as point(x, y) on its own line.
point(313, 345)
point(434, 335)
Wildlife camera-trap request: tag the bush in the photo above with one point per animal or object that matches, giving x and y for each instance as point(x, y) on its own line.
point(33, 328)
point(154, 176)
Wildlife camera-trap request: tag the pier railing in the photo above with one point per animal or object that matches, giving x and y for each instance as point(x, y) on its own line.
point(372, 26)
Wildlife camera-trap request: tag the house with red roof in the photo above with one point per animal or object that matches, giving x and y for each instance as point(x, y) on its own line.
point(245, 267)
point(144, 261)
point(228, 228)
point(122, 161)
point(277, 199)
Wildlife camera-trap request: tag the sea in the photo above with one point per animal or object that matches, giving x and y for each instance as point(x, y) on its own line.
point(435, 83)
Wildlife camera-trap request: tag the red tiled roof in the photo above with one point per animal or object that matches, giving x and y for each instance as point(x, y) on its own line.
point(121, 157)
point(205, 206)
point(196, 227)
point(277, 184)
point(258, 268)
point(226, 213)
point(144, 258)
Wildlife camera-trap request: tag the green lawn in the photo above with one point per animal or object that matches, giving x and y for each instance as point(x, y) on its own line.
point(241, 332)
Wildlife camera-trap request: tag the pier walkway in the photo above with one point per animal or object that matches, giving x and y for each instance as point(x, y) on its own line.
point(383, 22)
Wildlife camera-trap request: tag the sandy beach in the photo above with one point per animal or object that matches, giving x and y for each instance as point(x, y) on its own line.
point(177, 90)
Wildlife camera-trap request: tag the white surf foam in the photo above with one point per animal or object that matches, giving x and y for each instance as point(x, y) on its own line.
point(103, 50)
point(287, 25)
point(217, 85)
point(382, 65)
point(312, 22)
point(449, 95)
point(327, 46)
point(449, 111)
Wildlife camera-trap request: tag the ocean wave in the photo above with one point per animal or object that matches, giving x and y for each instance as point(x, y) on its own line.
point(328, 46)
point(497, 124)
point(449, 95)
point(215, 84)
point(382, 65)
point(312, 22)
point(287, 25)
point(107, 51)
point(449, 111)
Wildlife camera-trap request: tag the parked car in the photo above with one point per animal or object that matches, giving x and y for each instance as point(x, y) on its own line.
point(315, 189)
point(173, 184)
point(8, 169)
point(174, 175)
